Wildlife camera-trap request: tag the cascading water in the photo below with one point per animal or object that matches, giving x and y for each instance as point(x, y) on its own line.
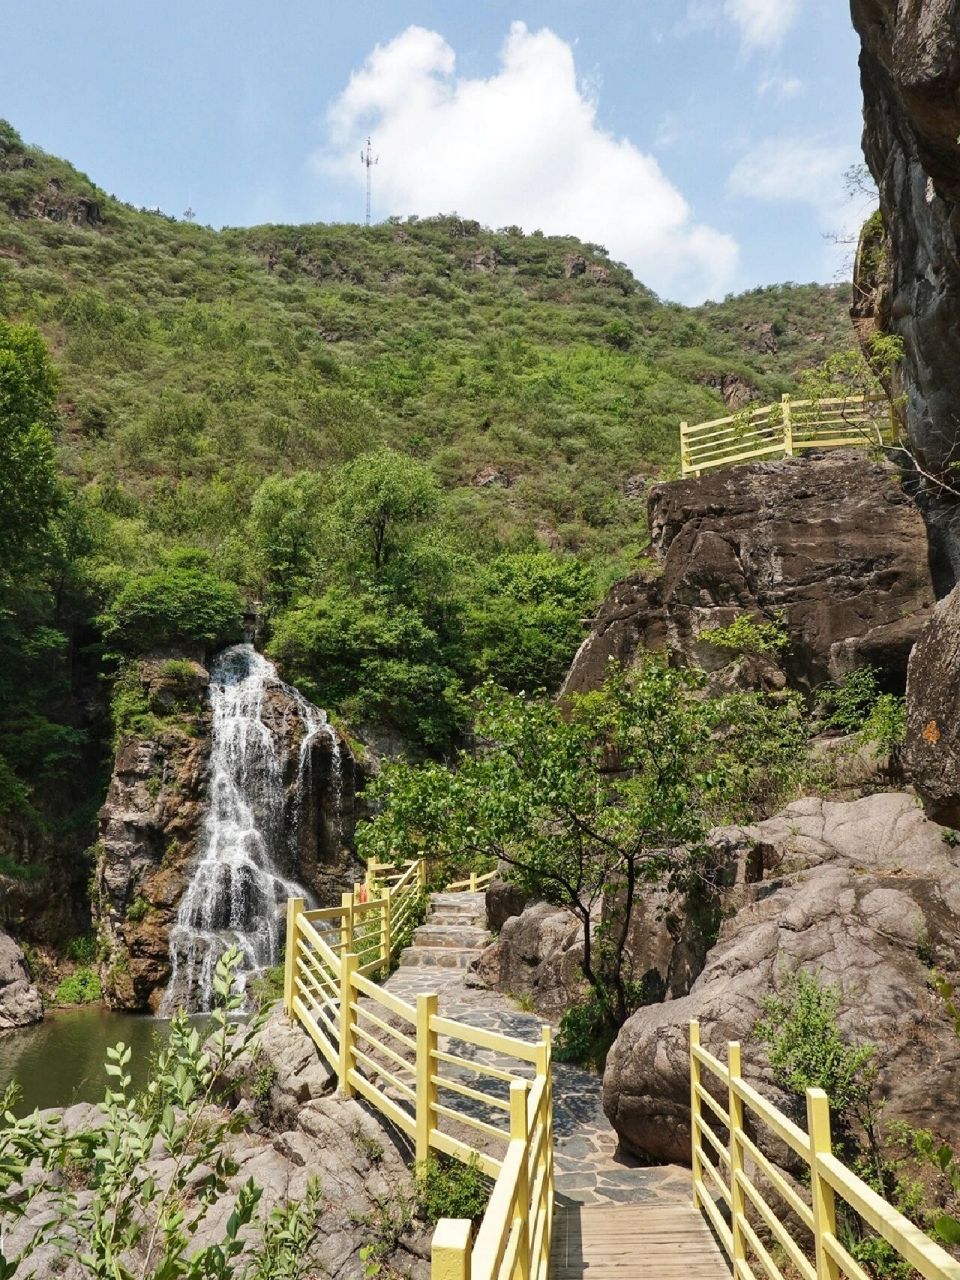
point(238, 889)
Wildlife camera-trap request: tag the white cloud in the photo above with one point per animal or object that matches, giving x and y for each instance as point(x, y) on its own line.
point(763, 24)
point(522, 146)
point(802, 171)
point(780, 85)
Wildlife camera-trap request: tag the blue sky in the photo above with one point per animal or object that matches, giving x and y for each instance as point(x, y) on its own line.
point(703, 142)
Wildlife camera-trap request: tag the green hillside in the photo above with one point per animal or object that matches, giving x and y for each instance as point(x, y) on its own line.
point(420, 446)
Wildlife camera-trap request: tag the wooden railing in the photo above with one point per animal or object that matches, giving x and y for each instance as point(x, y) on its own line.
point(785, 429)
point(730, 1126)
point(403, 1059)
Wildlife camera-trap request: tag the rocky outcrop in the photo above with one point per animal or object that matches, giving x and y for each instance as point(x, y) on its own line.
point(20, 1002)
point(151, 824)
point(536, 956)
point(503, 900)
point(909, 283)
point(830, 543)
point(867, 895)
point(933, 713)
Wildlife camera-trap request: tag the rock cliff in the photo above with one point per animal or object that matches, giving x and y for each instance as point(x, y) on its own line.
point(151, 824)
point(908, 279)
point(831, 542)
point(867, 895)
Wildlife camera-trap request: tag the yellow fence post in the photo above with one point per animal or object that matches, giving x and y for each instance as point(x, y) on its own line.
point(787, 426)
point(346, 923)
point(348, 967)
point(738, 1204)
point(684, 463)
point(821, 1193)
point(421, 874)
point(450, 1249)
point(385, 939)
point(695, 1108)
point(426, 1065)
point(294, 907)
point(473, 882)
point(544, 1054)
point(519, 1131)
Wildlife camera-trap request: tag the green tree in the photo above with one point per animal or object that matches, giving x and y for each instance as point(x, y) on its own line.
point(373, 658)
point(286, 523)
point(182, 602)
point(30, 490)
point(523, 621)
point(597, 798)
point(379, 496)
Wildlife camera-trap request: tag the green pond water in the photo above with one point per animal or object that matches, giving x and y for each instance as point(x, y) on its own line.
point(60, 1060)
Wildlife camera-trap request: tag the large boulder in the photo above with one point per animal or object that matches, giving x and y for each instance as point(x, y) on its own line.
point(933, 712)
point(536, 956)
point(831, 543)
point(865, 894)
point(20, 1002)
point(908, 280)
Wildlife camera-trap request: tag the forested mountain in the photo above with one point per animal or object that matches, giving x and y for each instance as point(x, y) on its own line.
point(419, 447)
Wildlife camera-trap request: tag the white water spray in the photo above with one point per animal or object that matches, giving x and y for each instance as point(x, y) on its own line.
point(238, 889)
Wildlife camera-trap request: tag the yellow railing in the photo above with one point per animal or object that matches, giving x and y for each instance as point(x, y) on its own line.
point(729, 1127)
point(787, 428)
point(403, 1059)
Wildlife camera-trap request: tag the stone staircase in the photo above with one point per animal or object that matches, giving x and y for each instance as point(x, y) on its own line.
point(453, 936)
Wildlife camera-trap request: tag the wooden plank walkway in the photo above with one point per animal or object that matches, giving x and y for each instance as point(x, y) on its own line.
point(620, 1241)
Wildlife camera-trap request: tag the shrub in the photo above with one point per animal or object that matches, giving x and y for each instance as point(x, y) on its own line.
point(82, 987)
point(83, 948)
point(806, 1050)
point(446, 1188)
point(846, 703)
point(185, 601)
point(746, 635)
point(137, 909)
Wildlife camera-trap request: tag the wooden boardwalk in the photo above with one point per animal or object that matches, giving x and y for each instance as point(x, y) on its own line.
point(620, 1241)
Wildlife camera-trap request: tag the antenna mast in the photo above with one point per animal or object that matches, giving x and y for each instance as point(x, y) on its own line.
point(368, 160)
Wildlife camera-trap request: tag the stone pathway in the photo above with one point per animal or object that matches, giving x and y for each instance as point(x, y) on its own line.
point(589, 1168)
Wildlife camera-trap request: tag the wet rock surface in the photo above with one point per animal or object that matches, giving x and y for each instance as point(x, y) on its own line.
point(830, 543)
point(152, 821)
point(867, 895)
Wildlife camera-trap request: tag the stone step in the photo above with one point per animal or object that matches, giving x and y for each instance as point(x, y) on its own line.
point(438, 957)
point(439, 935)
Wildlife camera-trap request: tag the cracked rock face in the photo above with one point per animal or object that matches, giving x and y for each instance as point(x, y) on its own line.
point(867, 895)
point(831, 542)
point(910, 73)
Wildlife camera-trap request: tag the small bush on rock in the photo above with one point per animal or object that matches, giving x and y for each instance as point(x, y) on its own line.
point(449, 1189)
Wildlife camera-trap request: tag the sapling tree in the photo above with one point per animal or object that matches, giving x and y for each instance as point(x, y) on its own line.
point(592, 799)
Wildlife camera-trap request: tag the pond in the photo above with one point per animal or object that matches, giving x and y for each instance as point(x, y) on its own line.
point(60, 1060)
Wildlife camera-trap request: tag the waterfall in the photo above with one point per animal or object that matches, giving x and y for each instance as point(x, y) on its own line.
point(239, 885)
